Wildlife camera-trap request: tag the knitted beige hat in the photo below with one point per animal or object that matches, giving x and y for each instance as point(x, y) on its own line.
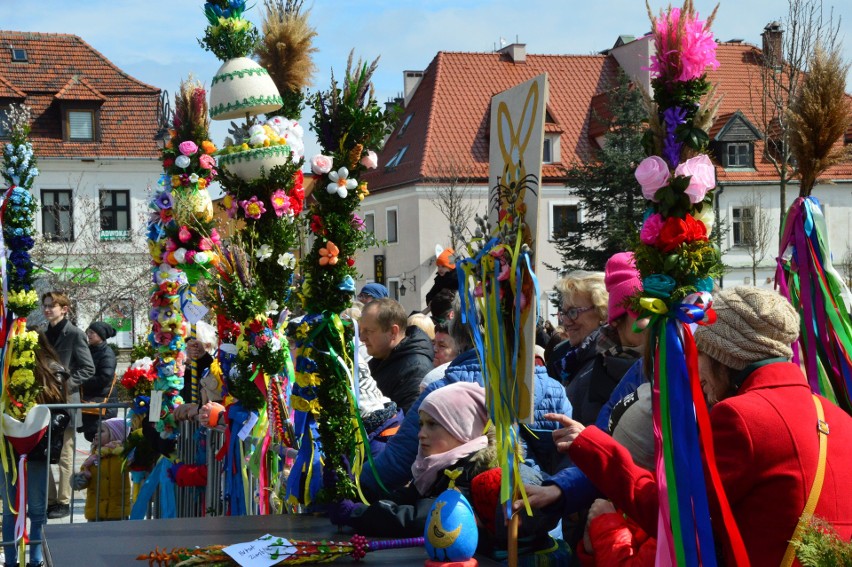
point(753, 324)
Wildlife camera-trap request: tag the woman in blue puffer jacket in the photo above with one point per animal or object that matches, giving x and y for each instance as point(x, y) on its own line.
point(393, 466)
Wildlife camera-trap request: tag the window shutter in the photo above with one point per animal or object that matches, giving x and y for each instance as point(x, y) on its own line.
point(80, 125)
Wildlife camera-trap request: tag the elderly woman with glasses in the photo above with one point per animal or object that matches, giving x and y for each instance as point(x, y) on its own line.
point(583, 309)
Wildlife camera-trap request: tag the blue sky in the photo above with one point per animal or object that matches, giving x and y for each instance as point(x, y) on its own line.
point(155, 40)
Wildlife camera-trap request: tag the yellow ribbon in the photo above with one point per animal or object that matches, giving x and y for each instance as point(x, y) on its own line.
point(303, 405)
point(653, 305)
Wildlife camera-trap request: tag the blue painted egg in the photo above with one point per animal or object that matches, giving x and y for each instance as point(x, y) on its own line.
point(451, 533)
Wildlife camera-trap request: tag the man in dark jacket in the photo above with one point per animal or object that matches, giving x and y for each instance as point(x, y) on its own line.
point(402, 355)
point(73, 349)
point(99, 388)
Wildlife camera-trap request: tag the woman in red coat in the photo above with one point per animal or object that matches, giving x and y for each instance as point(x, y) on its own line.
point(765, 432)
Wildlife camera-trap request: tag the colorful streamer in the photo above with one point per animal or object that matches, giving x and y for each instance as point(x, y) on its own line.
point(806, 276)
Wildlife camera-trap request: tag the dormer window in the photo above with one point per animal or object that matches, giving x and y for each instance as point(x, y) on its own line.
point(739, 154)
point(550, 151)
point(397, 157)
point(80, 125)
point(19, 55)
point(405, 124)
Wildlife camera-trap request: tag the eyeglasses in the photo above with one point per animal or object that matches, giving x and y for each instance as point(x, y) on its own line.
point(574, 312)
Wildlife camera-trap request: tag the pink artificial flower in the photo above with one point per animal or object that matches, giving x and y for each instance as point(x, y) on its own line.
point(702, 177)
point(280, 202)
point(682, 55)
point(184, 235)
point(188, 148)
point(253, 208)
point(651, 229)
point(189, 258)
point(171, 245)
point(214, 236)
point(206, 161)
point(231, 205)
point(321, 164)
point(205, 244)
point(652, 174)
point(504, 272)
point(370, 160)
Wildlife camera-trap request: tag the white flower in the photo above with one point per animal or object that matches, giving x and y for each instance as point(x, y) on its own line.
point(264, 252)
point(287, 260)
point(271, 307)
point(182, 161)
point(340, 183)
point(193, 178)
point(274, 344)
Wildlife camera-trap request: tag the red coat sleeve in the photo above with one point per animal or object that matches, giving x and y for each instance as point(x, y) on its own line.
point(617, 541)
point(611, 469)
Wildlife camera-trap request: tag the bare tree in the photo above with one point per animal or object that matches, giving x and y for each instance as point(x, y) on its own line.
point(103, 272)
point(453, 196)
point(757, 232)
point(788, 46)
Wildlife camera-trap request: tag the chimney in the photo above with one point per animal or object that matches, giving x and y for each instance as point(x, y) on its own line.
point(410, 81)
point(773, 47)
point(517, 52)
point(394, 102)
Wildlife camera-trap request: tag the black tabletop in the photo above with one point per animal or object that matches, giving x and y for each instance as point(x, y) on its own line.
point(117, 544)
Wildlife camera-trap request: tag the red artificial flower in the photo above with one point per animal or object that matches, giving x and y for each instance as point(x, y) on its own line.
point(695, 229)
point(168, 162)
point(298, 180)
point(317, 226)
point(350, 262)
point(673, 234)
point(297, 200)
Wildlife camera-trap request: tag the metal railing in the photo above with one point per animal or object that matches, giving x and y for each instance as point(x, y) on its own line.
point(196, 445)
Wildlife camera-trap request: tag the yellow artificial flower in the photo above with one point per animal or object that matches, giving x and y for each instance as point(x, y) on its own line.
point(202, 183)
point(22, 377)
point(362, 190)
point(23, 358)
point(176, 181)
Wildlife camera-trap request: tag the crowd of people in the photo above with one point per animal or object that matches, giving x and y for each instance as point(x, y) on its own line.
point(589, 467)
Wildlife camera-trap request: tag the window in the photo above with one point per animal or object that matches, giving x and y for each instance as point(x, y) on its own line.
point(57, 215)
point(392, 226)
point(742, 225)
point(19, 55)
point(115, 215)
point(550, 151)
point(405, 124)
point(370, 222)
point(393, 288)
point(397, 157)
point(564, 219)
point(81, 125)
point(739, 154)
point(4, 116)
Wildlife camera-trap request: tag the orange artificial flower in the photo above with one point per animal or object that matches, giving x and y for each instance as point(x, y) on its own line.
point(328, 254)
point(208, 147)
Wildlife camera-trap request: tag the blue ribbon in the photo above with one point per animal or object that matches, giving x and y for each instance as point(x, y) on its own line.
point(159, 477)
point(688, 465)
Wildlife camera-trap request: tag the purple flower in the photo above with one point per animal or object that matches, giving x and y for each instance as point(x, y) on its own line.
point(357, 222)
point(673, 117)
point(164, 200)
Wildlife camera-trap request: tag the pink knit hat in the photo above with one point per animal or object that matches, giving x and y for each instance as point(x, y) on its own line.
point(622, 281)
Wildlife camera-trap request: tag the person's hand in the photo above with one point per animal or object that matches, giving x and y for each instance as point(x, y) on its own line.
point(539, 496)
point(564, 436)
point(185, 412)
point(208, 415)
point(600, 507)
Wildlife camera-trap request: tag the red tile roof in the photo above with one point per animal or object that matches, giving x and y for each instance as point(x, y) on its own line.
point(738, 80)
point(78, 88)
point(8, 90)
point(62, 69)
point(451, 108)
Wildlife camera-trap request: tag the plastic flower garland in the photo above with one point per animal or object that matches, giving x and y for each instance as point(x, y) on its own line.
point(349, 124)
point(678, 263)
point(139, 378)
point(19, 170)
point(22, 388)
point(184, 203)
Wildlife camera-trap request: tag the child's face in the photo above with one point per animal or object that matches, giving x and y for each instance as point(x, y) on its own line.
point(434, 439)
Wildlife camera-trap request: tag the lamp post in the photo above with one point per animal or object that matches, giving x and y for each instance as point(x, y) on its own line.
point(164, 120)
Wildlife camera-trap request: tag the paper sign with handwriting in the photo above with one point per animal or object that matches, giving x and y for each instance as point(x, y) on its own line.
point(265, 551)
